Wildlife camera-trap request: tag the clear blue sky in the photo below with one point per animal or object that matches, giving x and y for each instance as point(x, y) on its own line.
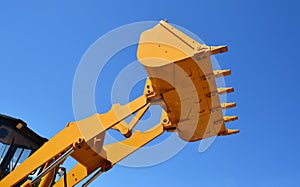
point(41, 44)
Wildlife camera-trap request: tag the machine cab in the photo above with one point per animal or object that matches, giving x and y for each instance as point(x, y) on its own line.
point(17, 143)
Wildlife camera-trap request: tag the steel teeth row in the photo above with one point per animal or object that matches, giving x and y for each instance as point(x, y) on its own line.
point(220, 73)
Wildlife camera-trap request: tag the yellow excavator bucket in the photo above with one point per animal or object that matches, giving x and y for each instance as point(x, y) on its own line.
point(181, 75)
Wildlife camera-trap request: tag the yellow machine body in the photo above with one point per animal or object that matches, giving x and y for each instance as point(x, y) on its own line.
point(181, 80)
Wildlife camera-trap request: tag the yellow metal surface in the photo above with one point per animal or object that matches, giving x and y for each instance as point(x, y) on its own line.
point(74, 176)
point(117, 151)
point(125, 128)
point(26, 184)
point(48, 178)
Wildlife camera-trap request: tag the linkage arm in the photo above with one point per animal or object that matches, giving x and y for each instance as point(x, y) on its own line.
point(115, 152)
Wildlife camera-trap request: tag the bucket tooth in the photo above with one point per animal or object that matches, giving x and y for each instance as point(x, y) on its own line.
point(227, 105)
point(218, 49)
point(225, 90)
point(230, 118)
point(232, 131)
point(220, 73)
point(229, 132)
